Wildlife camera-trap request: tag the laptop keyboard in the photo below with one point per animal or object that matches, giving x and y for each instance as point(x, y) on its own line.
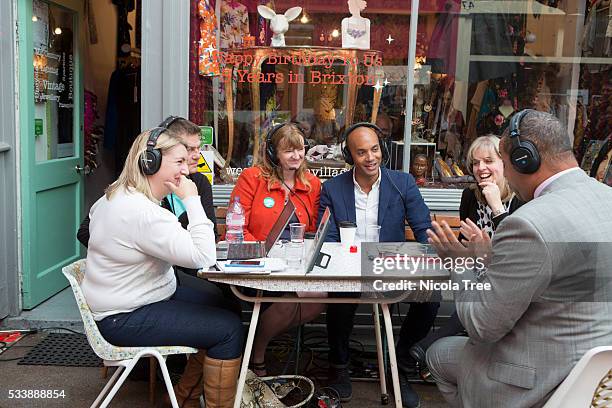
point(245, 250)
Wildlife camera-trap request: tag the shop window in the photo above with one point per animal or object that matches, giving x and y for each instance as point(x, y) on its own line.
point(477, 63)
point(491, 59)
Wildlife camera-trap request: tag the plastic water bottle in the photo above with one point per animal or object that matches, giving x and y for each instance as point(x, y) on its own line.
point(234, 222)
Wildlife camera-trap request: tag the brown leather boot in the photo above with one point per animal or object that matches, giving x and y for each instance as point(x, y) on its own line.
point(220, 381)
point(189, 388)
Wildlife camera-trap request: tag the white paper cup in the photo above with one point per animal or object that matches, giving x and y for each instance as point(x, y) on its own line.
point(347, 235)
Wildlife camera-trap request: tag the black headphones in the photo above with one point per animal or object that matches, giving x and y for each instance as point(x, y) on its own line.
point(271, 150)
point(523, 154)
point(169, 121)
point(150, 161)
point(346, 153)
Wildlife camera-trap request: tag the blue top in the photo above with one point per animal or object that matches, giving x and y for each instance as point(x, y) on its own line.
point(176, 205)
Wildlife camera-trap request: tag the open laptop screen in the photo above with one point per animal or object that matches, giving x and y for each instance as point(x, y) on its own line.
point(319, 238)
point(280, 225)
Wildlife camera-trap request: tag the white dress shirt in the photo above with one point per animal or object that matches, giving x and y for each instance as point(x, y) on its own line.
point(552, 178)
point(366, 207)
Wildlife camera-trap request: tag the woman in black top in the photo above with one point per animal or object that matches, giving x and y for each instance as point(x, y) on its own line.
point(486, 204)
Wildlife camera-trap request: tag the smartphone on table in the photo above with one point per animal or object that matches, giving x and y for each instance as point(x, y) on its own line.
point(245, 264)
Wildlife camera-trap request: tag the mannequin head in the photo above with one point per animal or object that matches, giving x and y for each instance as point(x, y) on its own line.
point(418, 168)
point(356, 6)
point(383, 121)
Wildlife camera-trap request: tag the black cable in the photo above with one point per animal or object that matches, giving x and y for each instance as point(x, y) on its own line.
point(171, 204)
point(385, 171)
point(10, 359)
point(298, 197)
point(7, 347)
point(16, 346)
point(60, 328)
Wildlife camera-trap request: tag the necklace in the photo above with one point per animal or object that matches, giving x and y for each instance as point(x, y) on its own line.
point(356, 32)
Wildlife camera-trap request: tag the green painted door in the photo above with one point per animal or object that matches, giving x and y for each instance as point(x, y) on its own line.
point(51, 140)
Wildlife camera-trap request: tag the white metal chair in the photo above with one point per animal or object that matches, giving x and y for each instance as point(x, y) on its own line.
point(124, 358)
point(589, 384)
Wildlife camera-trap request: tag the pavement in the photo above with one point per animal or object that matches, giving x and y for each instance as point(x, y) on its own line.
point(81, 385)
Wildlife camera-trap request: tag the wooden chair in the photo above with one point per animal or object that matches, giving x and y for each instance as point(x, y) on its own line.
point(410, 234)
point(453, 221)
point(220, 213)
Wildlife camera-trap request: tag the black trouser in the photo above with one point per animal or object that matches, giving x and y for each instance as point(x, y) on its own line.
point(416, 325)
point(340, 319)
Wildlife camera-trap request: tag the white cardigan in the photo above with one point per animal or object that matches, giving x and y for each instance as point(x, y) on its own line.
point(132, 246)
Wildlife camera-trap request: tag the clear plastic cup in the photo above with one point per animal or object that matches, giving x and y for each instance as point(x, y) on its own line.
point(294, 254)
point(372, 233)
point(297, 231)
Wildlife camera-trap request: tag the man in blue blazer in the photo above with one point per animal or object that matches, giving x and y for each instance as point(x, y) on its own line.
point(371, 194)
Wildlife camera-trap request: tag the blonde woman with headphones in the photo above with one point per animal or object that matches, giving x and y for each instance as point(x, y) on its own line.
point(130, 285)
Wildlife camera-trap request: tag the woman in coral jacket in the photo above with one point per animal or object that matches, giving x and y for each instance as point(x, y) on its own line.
point(263, 191)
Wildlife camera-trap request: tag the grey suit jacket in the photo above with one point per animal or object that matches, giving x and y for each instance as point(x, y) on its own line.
point(550, 297)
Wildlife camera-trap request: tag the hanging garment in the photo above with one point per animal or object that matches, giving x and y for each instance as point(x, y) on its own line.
point(264, 34)
point(491, 37)
point(579, 126)
point(92, 28)
point(234, 24)
point(597, 34)
point(207, 45)
point(122, 123)
point(199, 86)
point(124, 43)
point(442, 51)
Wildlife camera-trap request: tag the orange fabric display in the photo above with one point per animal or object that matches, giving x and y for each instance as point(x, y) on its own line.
point(207, 47)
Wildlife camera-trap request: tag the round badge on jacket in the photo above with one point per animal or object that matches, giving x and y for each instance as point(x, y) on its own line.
point(268, 202)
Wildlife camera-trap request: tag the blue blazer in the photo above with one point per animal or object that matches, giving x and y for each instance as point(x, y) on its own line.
point(339, 195)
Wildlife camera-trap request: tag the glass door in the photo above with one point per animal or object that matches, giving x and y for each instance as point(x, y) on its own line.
point(51, 114)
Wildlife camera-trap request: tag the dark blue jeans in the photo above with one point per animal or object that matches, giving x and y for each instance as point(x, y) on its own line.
point(189, 318)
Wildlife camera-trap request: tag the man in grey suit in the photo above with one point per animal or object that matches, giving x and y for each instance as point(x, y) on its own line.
point(550, 269)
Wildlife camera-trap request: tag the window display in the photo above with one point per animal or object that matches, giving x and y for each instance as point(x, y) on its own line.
point(477, 64)
point(356, 29)
point(279, 23)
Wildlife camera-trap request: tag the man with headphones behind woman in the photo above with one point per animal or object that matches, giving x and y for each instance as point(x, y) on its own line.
point(372, 195)
point(263, 190)
point(549, 277)
point(130, 285)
